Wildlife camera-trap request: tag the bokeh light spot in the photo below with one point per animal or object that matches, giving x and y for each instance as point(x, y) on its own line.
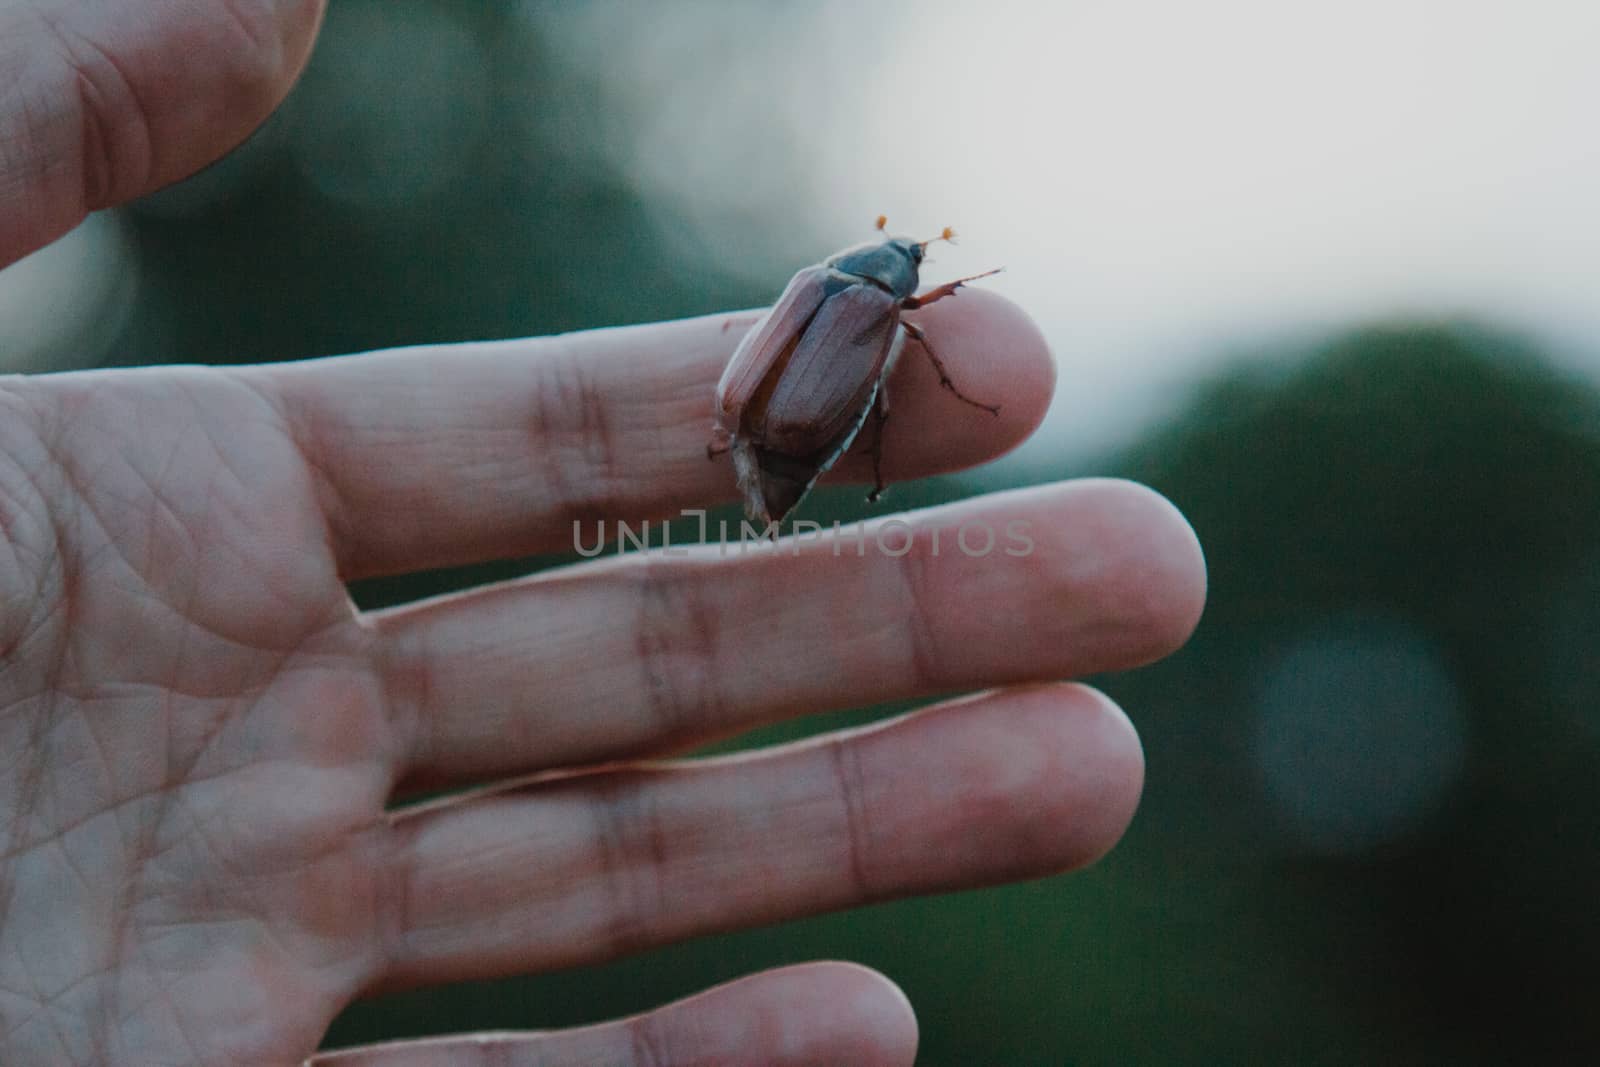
point(1359, 734)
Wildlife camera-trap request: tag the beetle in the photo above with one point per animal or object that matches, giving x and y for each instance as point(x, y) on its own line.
point(805, 378)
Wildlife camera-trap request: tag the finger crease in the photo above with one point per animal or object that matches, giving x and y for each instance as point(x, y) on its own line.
point(921, 631)
point(630, 852)
point(676, 638)
point(844, 760)
point(573, 439)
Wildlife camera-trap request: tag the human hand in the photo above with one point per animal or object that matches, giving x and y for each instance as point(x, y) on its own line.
point(202, 737)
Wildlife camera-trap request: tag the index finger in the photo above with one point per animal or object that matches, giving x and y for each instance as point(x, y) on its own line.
point(442, 455)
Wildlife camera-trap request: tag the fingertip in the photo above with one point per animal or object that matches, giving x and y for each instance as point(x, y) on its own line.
point(1012, 784)
point(995, 354)
point(1165, 580)
point(799, 1016)
point(876, 1024)
point(1001, 341)
point(1118, 761)
point(1190, 581)
point(1018, 345)
point(1085, 774)
point(1019, 356)
point(1127, 567)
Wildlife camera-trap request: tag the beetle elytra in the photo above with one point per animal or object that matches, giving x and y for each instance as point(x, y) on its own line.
point(804, 380)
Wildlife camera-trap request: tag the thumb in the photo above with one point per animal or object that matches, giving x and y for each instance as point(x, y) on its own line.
point(107, 101)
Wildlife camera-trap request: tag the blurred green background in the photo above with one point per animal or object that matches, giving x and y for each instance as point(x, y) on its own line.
point(1325, 278)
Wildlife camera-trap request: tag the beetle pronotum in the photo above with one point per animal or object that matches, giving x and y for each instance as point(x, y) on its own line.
point(804, 379)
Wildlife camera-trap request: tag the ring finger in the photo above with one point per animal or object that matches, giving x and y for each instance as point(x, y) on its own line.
point(575, 869)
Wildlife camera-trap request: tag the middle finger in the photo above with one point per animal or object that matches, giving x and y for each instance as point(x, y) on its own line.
point(648, 654)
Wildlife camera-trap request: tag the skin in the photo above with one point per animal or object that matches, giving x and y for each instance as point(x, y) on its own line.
point(201, 737)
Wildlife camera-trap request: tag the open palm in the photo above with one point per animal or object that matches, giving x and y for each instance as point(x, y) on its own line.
point(203, 739)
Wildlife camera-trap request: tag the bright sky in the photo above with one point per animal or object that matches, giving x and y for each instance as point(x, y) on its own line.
point(1163, 179)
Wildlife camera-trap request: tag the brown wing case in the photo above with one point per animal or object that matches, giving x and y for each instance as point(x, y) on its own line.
point(769, 344)
point(826, 383)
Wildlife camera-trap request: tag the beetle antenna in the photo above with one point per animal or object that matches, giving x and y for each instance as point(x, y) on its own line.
point(883, 220)
point(946, 234)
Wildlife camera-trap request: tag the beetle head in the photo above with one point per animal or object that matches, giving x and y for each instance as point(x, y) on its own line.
point(890, 263)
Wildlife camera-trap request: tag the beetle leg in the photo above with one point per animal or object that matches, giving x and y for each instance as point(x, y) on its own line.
point(911, 303)
point(720, 442)
point(921, 337)
point(880, 412)
point(747, 472)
